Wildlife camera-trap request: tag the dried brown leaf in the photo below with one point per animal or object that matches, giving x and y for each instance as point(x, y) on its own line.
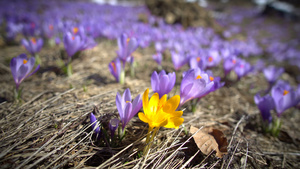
point(210, 139)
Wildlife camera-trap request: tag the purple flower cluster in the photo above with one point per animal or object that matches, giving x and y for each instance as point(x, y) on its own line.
point(283, 97)
point(199, 47)
point(127, 108)
point(127, 45)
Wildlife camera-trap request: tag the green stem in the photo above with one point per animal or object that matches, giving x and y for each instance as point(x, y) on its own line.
point(121, 133)
point(276, 127)
point(122, 77)
point(37, 60)
point(17, 94)
point(69, 69)
point(150, 142)
point(51, 42)
point(132, 69)
point(159, 67)
point(148, 134)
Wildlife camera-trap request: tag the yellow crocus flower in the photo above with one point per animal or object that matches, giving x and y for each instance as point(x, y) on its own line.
point(161, 112)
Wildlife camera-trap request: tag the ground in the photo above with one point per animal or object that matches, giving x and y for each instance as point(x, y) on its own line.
point(50, 128)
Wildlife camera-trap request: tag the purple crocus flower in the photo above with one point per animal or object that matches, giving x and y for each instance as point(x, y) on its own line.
point(178, 59)
point(197, 62)
point(265, 105)
point(95, 126)
point(284, 97)
point(217, 81)
point(29, 29)
point(32, 45)
point(194, 84)
point(57, 40)
point(12, 29)
point(242, 68)
point(72, 43)
point(21, 67)
point(113, 125)
point(159, 47)
point(157, 57)
point(115, 69)
point(213, 58)
point(86, 41)
point(229, 64)
point(126, 108)
point(272, 73)
point(48, 30)
point(162, 83)
point(127, 46)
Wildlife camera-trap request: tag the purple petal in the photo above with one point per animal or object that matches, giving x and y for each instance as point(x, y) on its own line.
point(187, 79)
point(127, 110)
point(120, 105)
point(132, 46)
point(163, 87)
point(126, 95)
point(136, 106)
point(35, 70)
point(13, 68)
point(21, 73)
point(185, 93)
point(93, 122)
point(154, 81)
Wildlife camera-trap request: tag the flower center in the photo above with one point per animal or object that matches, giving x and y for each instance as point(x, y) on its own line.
point(285, 92)
point(33, 40)
point(198, 59)
point(127, 40)
point(157, 108)
point(233, 61)
point(51, 27)
point(75, 30)
point(25, 61)
point(127, 101)
point(114, 66)
point(210, 59)
point(211, 78)
point(73, 37)
point(32, 25)
point(198, 77)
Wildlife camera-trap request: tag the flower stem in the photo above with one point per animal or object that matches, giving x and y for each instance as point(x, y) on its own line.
point(148, 134)
point(122, 77)
point(37, 60)
point(17, 94)
point(150, 142)
point(132, 69)
point(276, 127)
point(69, 69)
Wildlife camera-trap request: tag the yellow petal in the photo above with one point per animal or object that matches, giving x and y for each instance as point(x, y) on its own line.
point(163, 100)
point(163, 123)
point(146, 101)
point(174, 122)
point(177, 113)
point(172, 104)
point(153, 103)
point(143, 117)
